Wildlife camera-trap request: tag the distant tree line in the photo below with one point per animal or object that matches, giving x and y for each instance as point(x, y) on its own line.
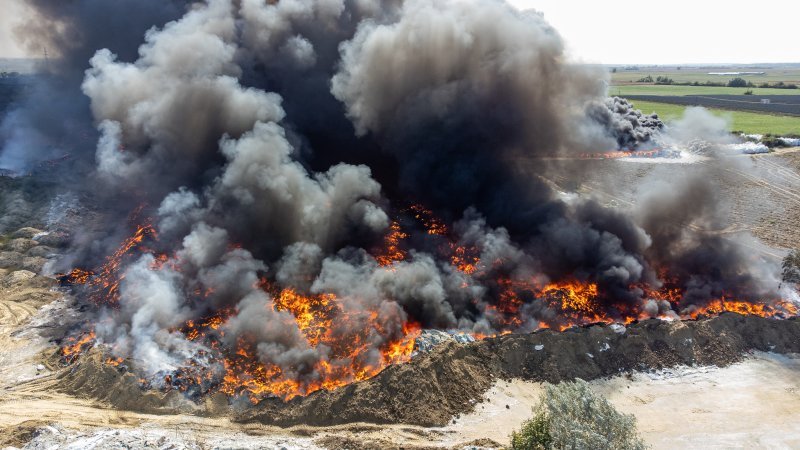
point(736, 83)
point(8, 74)
point(658, 80)
point(778, 85)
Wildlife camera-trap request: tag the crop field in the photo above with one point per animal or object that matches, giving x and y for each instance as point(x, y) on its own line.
point(772, 74)
point(654, 89)
point(779, 105)
point(748, 122)
point(746, 112)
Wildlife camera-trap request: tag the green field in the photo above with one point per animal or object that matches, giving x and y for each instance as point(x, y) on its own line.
point(740, 121)
point(650, 89)
point(787, 74)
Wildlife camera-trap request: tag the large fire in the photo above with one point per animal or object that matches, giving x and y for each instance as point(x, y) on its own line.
point(617, 154)
point(237, 370)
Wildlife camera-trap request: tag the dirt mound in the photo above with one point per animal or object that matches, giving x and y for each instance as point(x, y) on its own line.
point(435, 387)
point(20, 434)
point(432, 389)
point(93, 378)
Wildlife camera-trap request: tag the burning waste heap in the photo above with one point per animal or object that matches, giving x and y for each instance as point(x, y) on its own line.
point(314, 182)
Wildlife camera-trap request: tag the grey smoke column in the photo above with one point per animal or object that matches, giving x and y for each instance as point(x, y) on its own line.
point(278, 142)
point(627, 125)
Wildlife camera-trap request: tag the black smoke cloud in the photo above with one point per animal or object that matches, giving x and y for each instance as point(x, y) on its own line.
point(54, 118)
point(629, 127)
point(280, 139)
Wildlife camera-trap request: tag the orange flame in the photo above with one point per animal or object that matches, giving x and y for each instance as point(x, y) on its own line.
point(392, 253)
point(356, 345)
point(76, 346)
point(106, 282)
point(718, 306)
point(431, 223)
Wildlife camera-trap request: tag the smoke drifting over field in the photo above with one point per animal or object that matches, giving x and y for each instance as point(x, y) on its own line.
point(326, 176)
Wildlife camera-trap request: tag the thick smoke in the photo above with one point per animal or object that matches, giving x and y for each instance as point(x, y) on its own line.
point(629, 127)
point(53, 120)
point(276, 144)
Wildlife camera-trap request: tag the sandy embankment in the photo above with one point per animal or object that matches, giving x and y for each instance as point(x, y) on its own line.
point(751, 404)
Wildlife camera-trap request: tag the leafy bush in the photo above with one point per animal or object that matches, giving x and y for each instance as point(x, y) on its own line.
point(664, 80)
point(791, 267)
point(773, 141)
point(647, 79)
point(535, 432)
point(737, 82)
point(571, 416)
point(778, 85)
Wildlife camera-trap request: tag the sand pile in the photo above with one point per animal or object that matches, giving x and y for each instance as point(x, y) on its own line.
point(93, 378)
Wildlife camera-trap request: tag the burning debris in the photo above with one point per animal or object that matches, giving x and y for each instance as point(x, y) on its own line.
point(323, 181)
point(233, 367)
point(436, 386)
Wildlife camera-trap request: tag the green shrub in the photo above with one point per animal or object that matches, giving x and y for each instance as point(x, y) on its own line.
point(534, 434)
point(773, 141)
point(737, 82)
point(571, 416)
point(791, 267)
point(664, 80)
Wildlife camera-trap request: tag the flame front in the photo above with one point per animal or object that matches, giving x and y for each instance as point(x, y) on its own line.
point(359, 344)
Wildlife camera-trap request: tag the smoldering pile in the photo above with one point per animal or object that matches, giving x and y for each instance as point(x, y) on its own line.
point(314, 181)
point(451, 380)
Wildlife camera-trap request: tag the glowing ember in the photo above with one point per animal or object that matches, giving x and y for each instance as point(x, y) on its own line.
point(718, 306)
point(432, 224)
point(315, 316)
point(74, 347)
point(575, 297)
point(104, 284)
point(392, 253)
point(464, 259)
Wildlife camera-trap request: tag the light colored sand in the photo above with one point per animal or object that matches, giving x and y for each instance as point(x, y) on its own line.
point(753, 404)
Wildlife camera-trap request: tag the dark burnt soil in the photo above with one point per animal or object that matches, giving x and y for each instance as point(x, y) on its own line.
point(433, 388)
